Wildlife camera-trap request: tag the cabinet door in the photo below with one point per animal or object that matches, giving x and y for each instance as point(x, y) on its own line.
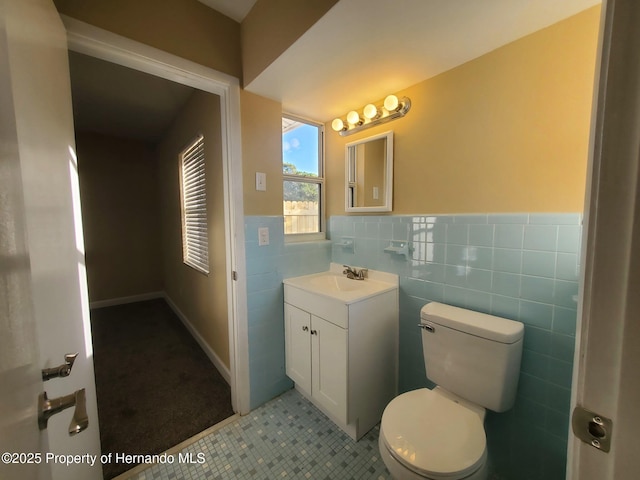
point(329, 366)
point(298, 346)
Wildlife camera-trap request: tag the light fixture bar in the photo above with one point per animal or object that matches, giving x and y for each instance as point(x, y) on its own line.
point(392, 108)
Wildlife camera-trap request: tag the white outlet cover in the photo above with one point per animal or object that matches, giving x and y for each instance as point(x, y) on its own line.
point(261, 181)
point(263, 236)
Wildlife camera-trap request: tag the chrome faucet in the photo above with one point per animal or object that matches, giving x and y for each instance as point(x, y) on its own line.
point(355, 274)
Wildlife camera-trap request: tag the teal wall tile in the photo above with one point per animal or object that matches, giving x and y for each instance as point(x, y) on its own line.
point(266, 267)
point(455, 275)
point(560, 372)
point(535, 363)
point(471, 219)
point(454, 296)
point(506, 284)
point(541, 264)
point(457, 234)
point(569, 238)
point(537, 340)
point(508, 236)
point(564, 320)
point(567, 266)
point(562, 347)
point(537, 289)
point(478, 279)
point(456, 254)
point(480, 257)
point(536, 314)
point(503, 306)
point(541, 237)
point(566, 294)
point(518, 219)
point(555, 218)
point(481, 235)
point(520, 266)
point(507, 260)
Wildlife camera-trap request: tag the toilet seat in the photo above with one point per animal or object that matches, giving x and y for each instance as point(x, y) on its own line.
point(433, 436)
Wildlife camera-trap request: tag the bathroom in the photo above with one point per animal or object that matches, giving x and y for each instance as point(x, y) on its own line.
point(504, 206)
point(491, 159)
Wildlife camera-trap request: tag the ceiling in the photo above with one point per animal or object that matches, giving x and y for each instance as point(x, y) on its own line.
point(236, 9)
point(118, 101)
point(358, 52)
point(362, 50)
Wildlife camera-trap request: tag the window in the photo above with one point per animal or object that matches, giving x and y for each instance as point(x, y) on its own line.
point(303, 182)
point(195, 243)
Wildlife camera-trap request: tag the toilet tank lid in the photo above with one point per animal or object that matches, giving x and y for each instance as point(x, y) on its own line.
point(479, 324)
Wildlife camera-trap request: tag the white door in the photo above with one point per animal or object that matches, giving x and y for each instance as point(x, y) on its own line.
point(329, 367)
point(298, 346)
point(43, 291)
point(606, 378)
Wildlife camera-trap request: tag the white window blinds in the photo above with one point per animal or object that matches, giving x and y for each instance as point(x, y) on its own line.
point(195, 243)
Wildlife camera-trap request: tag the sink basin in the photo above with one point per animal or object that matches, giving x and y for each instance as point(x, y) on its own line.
point(335, 285)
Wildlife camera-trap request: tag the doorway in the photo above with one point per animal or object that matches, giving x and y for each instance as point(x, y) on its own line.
point(97, 43)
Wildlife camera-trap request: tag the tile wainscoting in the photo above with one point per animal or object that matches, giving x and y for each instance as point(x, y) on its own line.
point(267, 266)
point(519, 266)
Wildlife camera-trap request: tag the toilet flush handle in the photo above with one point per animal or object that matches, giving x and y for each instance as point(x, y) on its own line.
point(428, 327)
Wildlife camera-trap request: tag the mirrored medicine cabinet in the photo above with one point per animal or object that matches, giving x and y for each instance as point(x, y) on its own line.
point(369, 174)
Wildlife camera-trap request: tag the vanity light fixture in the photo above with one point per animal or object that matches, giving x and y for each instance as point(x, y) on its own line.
point(392, 108)
point(353, 118)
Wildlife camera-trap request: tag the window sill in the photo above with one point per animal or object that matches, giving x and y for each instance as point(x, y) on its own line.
point(293, 238)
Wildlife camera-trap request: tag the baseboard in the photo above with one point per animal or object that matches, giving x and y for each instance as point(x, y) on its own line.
point(130, 299)
point(220, 366)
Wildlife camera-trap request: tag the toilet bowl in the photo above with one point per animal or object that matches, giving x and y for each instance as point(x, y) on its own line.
point(474, 359)
point(428, 434)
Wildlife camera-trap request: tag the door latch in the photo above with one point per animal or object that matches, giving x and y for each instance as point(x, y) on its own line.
point(592, 428)
point(61, 370)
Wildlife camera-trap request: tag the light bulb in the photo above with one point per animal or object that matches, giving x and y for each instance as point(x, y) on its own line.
point(337, 125)
point(370, 111)
point(391, 103)
point(353, 118)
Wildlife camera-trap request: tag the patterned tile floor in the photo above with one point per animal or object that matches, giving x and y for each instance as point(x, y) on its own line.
point(286, 438)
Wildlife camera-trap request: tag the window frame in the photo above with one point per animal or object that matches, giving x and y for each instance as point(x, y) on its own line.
point(196, 259)
point(319, 180)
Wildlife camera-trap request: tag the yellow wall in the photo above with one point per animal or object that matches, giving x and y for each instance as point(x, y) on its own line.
point(186, 28)
point(202, 298)
point(506, 132)
point(261, 152)
point(120, 216)
point(272, 26)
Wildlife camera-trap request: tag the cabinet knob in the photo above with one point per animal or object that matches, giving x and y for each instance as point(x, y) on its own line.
point(314, 332)
point(305, 329)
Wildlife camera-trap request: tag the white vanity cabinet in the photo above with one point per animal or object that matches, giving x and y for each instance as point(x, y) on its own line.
point(342, 353)
point(316, 354)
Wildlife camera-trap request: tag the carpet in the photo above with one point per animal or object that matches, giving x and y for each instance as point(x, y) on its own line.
point(155, 386)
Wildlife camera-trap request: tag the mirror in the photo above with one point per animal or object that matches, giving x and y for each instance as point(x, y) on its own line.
point(369, 174)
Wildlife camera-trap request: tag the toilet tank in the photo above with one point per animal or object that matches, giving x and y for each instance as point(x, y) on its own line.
point(473, 355)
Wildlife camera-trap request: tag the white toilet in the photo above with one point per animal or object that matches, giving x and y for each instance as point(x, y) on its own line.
point(438, 434)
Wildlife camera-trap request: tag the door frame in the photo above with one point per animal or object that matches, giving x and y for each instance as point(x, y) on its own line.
point(96, 42)
point(607, 356)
